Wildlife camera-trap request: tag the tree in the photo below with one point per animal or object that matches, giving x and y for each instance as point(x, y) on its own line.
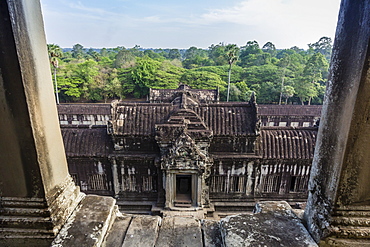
point(124, 59)
point(94, 54)
point(137, 51)
point(174, 54)
point(154, 55)
point(243, 93)
point(55, 52)
point(288, 91)
point(78, 51)
point(69, 82)
point(251, 55)
point(195, 57)
point(203, 80)
point(238, 73)
point(323, 46)
point(312, 73)
point(231, 53)
point(150, 73)
point(269, 48)
point(305, 90)
point(217, 54)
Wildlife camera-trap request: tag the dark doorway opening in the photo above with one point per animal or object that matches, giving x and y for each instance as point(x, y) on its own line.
point(183, 191)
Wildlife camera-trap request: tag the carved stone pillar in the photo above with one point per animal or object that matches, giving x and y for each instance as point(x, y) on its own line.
point(338, 209)
point(37, 193)
point(169, 193)
point(116, 183)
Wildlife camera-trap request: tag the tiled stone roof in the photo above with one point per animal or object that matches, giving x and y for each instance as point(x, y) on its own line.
point(86, 142)
point(101, 109)
point(287, 143)
point(222, 118)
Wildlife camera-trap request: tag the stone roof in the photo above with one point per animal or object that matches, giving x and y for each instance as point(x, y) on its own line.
point(88, 108)
point(275, 142)
point(287, 142)
point(289, 110)
point(86, 142)
point(222, 118)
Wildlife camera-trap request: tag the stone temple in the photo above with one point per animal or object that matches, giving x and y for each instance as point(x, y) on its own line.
point(40, 205)
point(184, 149)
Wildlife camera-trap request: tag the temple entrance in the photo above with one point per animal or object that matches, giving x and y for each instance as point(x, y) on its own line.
point(183, 191)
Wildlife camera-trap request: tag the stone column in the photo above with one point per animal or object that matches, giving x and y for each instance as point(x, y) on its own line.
point(170, 177)
point(37, 193)
point(197, 190)
point(339, 189)
point(116, 183)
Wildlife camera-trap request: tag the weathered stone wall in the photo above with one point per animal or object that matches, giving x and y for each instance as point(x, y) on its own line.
point(37, 194)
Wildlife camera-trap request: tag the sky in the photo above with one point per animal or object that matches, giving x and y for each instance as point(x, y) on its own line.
point(182, 24)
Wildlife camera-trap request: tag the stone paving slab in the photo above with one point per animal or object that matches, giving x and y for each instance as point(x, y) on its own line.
point(143, 231)
point(180, 231)
point(117, 232)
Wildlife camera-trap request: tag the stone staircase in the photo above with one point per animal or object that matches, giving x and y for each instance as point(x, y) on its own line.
point(25, 220)
point(350, 227)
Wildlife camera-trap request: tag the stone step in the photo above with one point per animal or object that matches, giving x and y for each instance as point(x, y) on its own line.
point(345, 242)
point(26, 222)
point(89, 223)
point(182, 212)
point(17, 202)
point(26, 233)
point(351, 232)
point(24, 212)
point(182, 204)
point(354, 213)
point(351, 221)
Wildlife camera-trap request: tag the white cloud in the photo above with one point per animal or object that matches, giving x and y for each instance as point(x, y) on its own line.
point(284, 22)
point(279, 19)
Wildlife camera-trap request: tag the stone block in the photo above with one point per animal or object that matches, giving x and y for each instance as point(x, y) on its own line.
point(143, 231)
point(211, 233)
point(88, 224)
point(272, 224)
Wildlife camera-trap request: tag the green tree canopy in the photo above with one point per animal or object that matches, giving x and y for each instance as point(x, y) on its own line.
point(203, 80)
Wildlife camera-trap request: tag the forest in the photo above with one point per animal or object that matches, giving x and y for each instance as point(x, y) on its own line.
point(275, 76)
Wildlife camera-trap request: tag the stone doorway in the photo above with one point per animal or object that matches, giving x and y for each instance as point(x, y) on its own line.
point(183, 191)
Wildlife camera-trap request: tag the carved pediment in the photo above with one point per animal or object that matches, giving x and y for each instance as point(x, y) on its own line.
point(184, 154)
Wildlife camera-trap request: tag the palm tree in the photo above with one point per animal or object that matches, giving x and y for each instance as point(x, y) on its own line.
point(232, 54)
point(54, 52)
